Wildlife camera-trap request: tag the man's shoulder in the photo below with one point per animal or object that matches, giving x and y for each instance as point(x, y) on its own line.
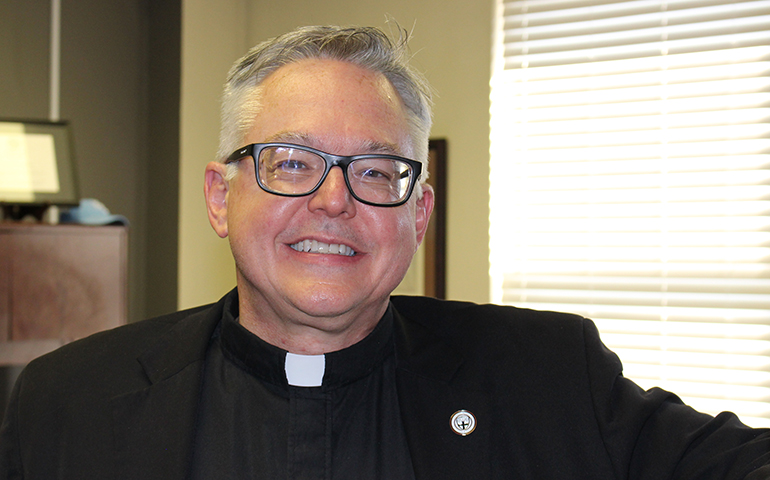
point(129, 336)
point(485, 327)
point(445, 314)
point(500, 345)
point(100, 355)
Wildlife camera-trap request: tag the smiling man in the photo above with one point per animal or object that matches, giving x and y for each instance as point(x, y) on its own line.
point(309, 369)
point(296, 290)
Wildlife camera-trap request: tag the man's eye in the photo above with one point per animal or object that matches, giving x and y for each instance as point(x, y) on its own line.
point(291, 166)
point(373, 174)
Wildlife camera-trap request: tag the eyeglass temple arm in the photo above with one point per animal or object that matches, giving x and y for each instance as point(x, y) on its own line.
point(237, 155)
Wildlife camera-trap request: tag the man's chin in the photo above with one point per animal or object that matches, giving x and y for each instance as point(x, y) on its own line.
point(330, 308)
point(341, 307)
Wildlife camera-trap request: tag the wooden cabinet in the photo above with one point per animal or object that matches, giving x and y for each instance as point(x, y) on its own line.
point(58, 283)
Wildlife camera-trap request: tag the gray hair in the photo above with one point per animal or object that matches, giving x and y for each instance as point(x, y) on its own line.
point(366, 47)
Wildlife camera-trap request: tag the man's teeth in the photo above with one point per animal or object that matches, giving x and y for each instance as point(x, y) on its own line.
point(313, 246)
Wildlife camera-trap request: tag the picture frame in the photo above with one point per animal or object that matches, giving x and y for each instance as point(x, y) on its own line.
point(37, 166)
point(427, 274)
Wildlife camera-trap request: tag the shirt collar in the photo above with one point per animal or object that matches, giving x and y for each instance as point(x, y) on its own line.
point(267, 362)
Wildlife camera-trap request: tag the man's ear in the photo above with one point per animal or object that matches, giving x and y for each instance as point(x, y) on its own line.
point(215, 188)
point(423, 209)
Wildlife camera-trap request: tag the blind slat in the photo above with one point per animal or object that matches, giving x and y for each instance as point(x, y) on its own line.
point(630, 183)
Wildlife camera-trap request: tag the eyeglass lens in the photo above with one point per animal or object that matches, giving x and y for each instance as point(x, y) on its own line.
point(295, 171)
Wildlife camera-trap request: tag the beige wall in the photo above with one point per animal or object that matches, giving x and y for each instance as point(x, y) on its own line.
point(213, 37)
point(451, 45)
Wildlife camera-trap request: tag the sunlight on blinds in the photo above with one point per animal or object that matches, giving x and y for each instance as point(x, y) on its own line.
point(630, 183)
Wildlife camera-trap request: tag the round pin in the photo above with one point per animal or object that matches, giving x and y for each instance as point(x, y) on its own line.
point(463, 422)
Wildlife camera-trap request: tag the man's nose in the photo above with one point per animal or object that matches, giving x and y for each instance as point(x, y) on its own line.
point(333, 196)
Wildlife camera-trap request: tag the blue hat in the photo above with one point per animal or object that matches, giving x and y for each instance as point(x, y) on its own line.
point(92, 212)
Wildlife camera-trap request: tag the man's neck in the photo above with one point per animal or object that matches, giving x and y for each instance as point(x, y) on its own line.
point(304, 334)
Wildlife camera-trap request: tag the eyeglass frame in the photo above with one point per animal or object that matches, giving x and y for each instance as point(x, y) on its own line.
point(342, 161)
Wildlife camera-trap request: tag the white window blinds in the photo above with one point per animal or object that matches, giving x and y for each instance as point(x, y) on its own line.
point(630, 183)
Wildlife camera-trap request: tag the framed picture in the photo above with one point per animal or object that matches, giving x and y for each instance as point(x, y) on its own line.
point(427, 274)
point(36, 163)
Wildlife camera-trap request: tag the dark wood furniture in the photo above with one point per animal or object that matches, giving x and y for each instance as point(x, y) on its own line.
point(58, 283)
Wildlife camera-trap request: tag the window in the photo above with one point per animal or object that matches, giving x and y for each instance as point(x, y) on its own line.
point(630, 183)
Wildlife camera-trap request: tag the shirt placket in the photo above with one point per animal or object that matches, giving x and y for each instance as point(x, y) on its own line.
point(310, 434)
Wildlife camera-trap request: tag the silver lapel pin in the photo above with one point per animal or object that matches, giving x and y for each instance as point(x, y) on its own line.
point(463, 422)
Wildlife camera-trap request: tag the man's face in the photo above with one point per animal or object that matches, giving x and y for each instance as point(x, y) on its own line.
point(342, 109)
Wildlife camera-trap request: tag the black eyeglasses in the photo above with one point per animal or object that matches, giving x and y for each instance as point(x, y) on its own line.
point(293, 171)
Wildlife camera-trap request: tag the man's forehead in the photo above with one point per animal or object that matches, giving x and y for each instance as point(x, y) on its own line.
point(334, 106)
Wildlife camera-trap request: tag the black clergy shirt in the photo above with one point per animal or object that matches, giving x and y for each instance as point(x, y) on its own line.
point(252, 424)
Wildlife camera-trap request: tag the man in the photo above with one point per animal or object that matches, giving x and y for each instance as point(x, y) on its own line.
point(308, 369)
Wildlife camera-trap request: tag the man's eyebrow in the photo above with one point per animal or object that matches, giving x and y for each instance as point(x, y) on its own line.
point(290, 137)
point(382, 147)
point(301, 138)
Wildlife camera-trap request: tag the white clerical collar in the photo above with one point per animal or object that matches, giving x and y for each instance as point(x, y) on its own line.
point(305, 370)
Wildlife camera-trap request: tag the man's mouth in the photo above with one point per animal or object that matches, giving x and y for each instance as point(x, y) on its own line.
point(314, 246)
